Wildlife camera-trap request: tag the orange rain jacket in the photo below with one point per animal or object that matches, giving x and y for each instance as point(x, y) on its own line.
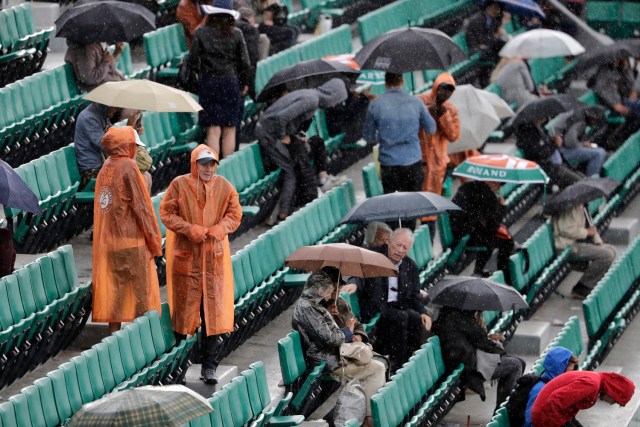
point(200, 271)
point(434, 147)
point(126, 235)
point(188, 14)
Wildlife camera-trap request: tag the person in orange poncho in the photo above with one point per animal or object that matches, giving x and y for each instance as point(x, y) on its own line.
point(199, 210)
point(188, 14)
point(434, 146)
point(126, 236)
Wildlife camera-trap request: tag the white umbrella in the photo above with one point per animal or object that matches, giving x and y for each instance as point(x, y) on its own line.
point(144, 95)
point(480, 114)
point(541, 43)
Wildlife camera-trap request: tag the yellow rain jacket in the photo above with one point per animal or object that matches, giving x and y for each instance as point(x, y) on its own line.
point(434, 147)
point(200, 271)
point(126, 235)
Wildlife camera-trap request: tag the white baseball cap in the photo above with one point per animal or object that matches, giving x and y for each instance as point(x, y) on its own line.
point(206, 156)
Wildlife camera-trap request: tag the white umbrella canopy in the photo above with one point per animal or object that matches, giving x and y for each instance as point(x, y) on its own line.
point(144, 95)
point(480, 114)
point(541, 43)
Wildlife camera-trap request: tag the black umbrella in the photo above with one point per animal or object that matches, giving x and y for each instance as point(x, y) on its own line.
point(632, 45)
point(399, 206)
point(14, 192)
point(475, 293)
point(410, 49)
point(601, 56)
point(580, 193)
point(107, 21)
point(305, 75)
point(546, 107)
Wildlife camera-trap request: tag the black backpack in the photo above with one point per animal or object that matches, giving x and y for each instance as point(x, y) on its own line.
point(519, 397)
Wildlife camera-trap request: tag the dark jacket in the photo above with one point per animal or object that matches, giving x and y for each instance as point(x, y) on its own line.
point(7, 252)
point(321, 337)
point(373, 292)
point(281, 36)
point(214, 54)
point(481, 213)
point(91, 125)
point(534, 142)
point(481, 31)
point(460, 336)
point(287, 115)
point(251, 37)
point(611, 85)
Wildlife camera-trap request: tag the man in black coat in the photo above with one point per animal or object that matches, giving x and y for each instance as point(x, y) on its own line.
point(481, 218)
point(483, 34)
point(403, 319)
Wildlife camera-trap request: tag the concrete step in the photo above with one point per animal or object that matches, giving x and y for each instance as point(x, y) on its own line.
point(530, 338)
point(622, 230)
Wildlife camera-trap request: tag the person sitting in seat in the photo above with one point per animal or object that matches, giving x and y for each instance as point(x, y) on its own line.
point(574, 228)
point(481, 218)
point(376, 234)
point(322, 338)
point(462, 335)
point(93, 65)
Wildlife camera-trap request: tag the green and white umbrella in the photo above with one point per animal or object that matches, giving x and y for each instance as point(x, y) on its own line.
point(501, 168)
point(149, 406)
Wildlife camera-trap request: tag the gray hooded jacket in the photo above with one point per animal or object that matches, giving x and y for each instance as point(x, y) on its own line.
point(287, 114)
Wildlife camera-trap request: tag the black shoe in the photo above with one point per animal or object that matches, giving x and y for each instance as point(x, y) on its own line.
point(580, 291)
point(208, 376)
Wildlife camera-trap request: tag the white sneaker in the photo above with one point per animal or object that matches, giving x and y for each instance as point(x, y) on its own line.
point(331, 181)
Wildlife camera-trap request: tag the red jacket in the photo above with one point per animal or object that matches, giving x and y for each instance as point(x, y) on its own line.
point(561, 398)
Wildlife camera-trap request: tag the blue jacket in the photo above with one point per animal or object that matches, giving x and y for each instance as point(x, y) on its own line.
point(393, 121)
point(90, 128)
point(555, 363)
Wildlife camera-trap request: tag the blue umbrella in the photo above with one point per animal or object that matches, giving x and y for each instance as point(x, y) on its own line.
point(14, 192)
point(526, 8)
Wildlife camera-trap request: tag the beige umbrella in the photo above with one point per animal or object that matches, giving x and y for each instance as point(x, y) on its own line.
point(350, 260)
point(144, 95)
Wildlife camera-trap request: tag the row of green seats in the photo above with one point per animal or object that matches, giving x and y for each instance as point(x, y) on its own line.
point(431, 269)
point(538, 268)
point(404, 12)
point(124, 64)
point(307, 384)
point(23, 49)
point(42, 309)
point(143, 352)
point(245, 402)
point(420, 392)
point(37, 114)
point(618, 19)
point(623, 166)
point(334, 42)
point(66, 211)
point(165, 48)
point(613, 302)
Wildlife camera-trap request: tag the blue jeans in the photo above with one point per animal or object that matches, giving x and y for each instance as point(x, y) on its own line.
point(594, 157)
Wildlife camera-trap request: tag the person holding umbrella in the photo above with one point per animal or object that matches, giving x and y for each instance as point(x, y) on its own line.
point(394, 121)
point(434, 146)
point(126, 236)
point(93, 64)
point(464, 340)
point(200, 210)
point(219, 57)
point(322, 338)
point(574, 227)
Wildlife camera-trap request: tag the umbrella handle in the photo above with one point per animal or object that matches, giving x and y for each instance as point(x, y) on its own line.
point(337, 288)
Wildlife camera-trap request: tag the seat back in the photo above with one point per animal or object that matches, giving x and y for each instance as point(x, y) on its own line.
point(292, 363)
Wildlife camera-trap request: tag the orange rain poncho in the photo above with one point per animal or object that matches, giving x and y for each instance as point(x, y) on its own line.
point(126, 235)
point(434, 147)
point(188, 14)
point(200, 271)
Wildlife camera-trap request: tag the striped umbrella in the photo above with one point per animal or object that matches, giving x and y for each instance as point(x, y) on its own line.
point(501, 168)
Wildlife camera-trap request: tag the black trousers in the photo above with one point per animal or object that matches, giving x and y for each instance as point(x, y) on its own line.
point(505, 249)
point(207, 345)
point(398, 333)
point(402, 178)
